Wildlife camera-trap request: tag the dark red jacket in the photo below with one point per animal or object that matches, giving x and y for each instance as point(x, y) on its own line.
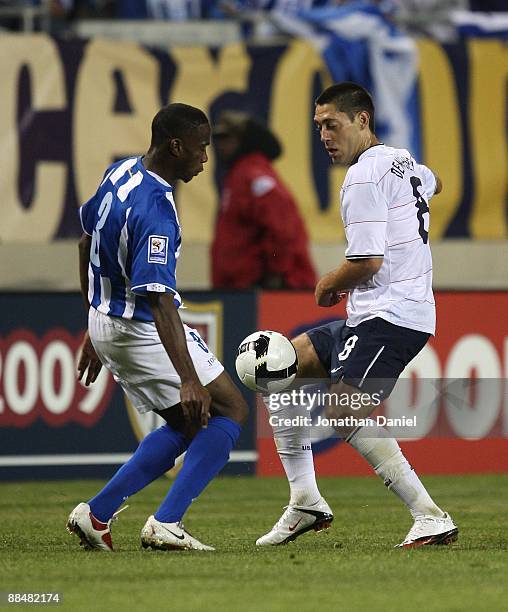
point(259, 230)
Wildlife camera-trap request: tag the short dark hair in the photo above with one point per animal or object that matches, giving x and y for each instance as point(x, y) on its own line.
point(349, 98)
point(175, 121)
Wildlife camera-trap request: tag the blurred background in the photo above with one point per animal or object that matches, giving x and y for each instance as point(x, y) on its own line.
point(80, 83)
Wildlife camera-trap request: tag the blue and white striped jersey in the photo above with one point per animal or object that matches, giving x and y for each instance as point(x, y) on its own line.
point(135, 232)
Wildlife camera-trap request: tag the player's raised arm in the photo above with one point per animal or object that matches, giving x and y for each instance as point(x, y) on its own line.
point(195, 398)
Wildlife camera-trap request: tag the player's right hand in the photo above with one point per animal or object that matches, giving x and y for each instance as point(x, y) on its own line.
point(328, 299)
point(195, 400)
point(88, 360)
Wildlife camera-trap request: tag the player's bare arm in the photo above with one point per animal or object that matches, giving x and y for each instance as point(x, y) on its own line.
point(331, 288)
point(195, 398)
point(439, 183)
point(88, 363)
point(84, 244)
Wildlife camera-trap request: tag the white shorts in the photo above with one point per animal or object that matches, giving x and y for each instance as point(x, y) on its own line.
point(133, 353)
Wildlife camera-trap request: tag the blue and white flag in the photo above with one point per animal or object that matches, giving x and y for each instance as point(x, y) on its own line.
point(359, 44)
point(481, 25)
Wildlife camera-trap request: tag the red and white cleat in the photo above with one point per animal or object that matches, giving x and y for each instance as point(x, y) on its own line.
point(93, 534)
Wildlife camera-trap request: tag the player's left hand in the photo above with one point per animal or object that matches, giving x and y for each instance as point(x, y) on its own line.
point(88, 362)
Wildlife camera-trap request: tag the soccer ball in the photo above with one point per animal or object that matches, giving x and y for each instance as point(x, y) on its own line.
point(266, 362)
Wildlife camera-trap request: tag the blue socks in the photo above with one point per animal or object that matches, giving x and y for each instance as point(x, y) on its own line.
point(207, 454)
point(154, 456)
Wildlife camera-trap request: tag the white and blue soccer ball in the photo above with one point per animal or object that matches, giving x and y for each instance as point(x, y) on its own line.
point(266, 362)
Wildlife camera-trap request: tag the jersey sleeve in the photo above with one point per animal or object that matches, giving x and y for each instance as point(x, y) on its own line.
point(87, 215)
point(365, 217)
point(155, 243)
point(428, 180)
point(89, 208)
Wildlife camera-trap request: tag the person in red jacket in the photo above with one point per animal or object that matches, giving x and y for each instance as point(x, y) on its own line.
point(260, 239)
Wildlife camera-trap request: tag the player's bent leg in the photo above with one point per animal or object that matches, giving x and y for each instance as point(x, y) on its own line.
point(383, 453)
point(155, 455)
point(227, 401)
point(207, 454)
point(293, 444)
point(176, 420)
point(309, 364)
point(307, 509)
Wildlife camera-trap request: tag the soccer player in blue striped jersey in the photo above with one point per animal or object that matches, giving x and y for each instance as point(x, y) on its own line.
point(128, 255)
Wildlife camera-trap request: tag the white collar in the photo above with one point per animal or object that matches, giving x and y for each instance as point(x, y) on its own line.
point(159, 178)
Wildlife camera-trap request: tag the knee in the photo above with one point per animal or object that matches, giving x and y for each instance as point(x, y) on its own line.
point(237, 411)
point(309, 365)
point(227, 401)
point(240, 412)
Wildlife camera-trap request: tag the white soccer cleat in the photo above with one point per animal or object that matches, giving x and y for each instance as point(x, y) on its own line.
point(93, 534)
point(169, 536)
point(430, 530)
point(297, 520)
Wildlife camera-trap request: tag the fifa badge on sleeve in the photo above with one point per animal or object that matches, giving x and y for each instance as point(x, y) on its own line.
point(158, 249)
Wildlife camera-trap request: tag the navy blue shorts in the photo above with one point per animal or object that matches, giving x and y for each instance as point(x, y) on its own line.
point(370, 356)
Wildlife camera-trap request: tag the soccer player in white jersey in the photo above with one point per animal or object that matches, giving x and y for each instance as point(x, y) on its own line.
point(128, 255)
point(390, 308)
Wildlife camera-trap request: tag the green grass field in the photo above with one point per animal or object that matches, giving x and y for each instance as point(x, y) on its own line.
point(353, 566)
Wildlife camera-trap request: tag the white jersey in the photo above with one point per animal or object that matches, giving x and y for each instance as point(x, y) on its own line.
point(384, 207)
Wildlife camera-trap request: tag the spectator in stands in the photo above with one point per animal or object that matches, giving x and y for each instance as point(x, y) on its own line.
point(260, 238)
point(173, 10)
point(81, 9)
point(486, 6)
point(235, 8)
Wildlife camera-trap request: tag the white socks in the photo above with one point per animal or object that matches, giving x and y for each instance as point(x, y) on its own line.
point(294, 447)
point(385, 456)
point(374, 443)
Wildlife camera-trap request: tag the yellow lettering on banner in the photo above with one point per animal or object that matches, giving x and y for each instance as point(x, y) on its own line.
point(441, 134)
point(39, 222)
point(200, 79)
point(292, 119)
point(487, 120)
point(100, 134)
